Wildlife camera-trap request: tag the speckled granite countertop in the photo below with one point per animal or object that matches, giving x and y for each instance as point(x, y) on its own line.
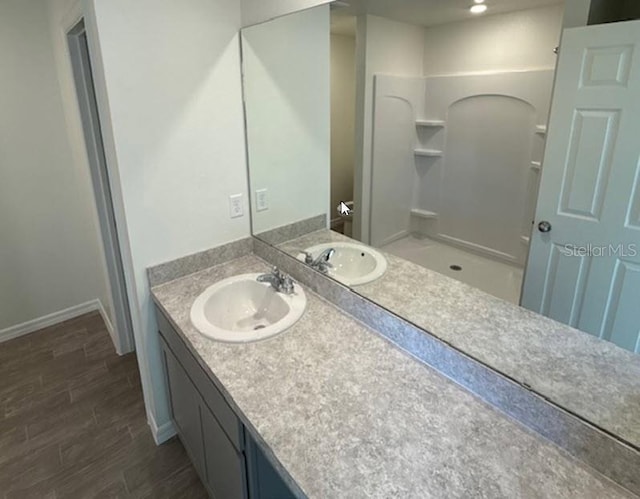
point(347, 414)
point(594, 379)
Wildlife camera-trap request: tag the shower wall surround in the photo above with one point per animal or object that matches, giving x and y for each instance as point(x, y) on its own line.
point(397, 104)
point(458, 158)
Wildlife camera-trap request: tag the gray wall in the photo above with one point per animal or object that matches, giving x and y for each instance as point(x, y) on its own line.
point(607, 11)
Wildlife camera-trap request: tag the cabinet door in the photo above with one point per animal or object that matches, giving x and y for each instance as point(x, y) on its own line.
point(185, 409)
point(214, 398)
point(225, 468)
point(264, 481)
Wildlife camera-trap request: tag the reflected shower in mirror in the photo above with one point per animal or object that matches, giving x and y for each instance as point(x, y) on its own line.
point(461, 205)
point(437, 132)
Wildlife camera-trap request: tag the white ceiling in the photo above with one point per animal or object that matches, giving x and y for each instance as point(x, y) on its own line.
point(424, 12)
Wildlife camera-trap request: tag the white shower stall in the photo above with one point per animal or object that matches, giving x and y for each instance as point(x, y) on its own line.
point(458, 158)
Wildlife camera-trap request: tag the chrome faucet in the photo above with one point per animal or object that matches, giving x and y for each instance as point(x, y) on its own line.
point(279, 281)
point(321, 262)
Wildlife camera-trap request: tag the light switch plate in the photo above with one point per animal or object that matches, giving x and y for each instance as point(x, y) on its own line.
point(262, 200)
point(235, 206)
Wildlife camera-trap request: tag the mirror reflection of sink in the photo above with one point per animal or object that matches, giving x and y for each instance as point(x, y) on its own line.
point(351, 263)
point(240, 309)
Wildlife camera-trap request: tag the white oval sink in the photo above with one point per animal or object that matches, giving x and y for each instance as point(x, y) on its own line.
point(352, 263)
point(241, 309)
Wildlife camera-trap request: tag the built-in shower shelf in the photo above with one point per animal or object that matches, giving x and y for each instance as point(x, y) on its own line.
point(541, 129)
point(428, 153)
point(430, 123)
point(429, 215)
point(536, 165)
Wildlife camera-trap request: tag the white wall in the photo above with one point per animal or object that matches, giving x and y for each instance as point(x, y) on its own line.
point(50, 252)
point(258, 11)
point(286, 76)
point(343, 98)
point(505, 42)
point(576, 13)
point(168, 84)
point(390, 47)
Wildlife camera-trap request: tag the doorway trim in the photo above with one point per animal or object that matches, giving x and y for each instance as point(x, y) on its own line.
point(76, 38)
point(153, 391)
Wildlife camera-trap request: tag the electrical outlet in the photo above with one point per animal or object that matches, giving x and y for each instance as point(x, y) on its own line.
point(262, 200)
point(235, 206)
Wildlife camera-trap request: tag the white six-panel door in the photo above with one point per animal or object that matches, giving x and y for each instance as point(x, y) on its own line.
point(585, 271)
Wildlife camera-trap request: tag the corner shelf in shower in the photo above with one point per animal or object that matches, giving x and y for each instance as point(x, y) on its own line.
point(430, 123)
point(541, 129)
point(536, 165)
point(428, 153)
point(429, 215)
point(524, 239)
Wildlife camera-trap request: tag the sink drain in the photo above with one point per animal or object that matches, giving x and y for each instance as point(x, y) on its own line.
point(457, 268)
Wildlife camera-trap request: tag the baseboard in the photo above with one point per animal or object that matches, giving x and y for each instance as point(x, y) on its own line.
point(163, 432)
point(394, 238)
point(477, 249)
point(49, 320)
point(335, 222)
point(110, 328)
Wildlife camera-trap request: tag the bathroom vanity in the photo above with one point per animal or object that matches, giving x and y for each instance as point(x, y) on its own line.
point(330, 408)
point(395, 380)
point(225, 455)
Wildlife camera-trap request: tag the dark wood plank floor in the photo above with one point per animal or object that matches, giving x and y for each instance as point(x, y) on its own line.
point(73, 425)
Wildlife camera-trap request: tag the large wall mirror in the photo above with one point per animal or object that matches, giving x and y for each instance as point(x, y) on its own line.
point(458, 169)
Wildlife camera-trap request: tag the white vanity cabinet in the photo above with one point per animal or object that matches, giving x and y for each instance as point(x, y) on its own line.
point(229, 462)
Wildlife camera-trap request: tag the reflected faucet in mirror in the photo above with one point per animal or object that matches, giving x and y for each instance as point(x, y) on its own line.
point(321, 262)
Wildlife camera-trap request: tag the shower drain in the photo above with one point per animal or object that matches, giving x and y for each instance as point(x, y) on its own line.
point(457, 268)
point(261, 326)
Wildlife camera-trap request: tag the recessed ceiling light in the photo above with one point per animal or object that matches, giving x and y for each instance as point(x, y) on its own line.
point(478, 1)
point(478, 9)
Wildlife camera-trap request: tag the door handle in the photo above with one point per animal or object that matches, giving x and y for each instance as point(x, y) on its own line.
point(544, 226)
